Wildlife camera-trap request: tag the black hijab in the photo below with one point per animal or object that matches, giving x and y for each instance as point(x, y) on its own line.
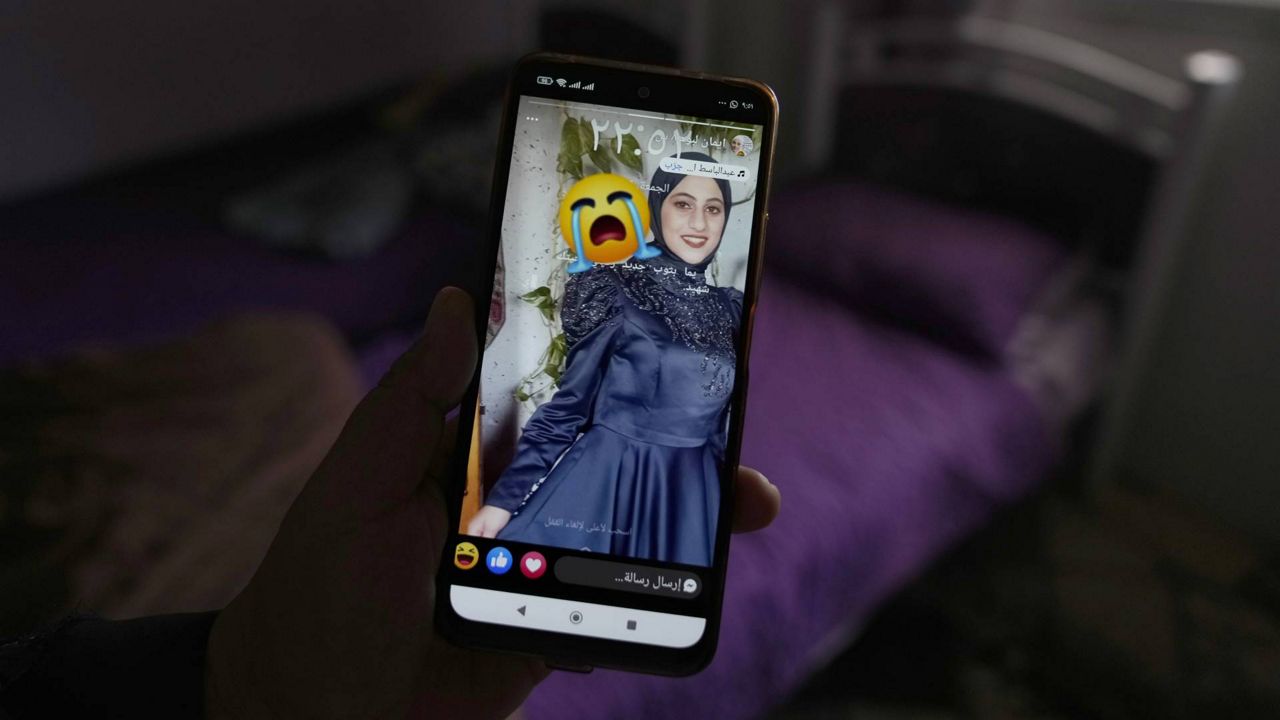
point(661, 185)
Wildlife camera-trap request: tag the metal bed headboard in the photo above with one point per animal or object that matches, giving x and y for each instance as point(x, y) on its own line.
point(1108, 94)
point(1017, 118)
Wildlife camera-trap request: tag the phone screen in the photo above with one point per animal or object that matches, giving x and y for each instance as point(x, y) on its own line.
point(595, 479)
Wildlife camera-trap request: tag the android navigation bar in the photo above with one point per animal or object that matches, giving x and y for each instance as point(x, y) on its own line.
point(576, 618)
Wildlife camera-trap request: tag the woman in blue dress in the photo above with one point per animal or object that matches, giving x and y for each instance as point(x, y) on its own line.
point(625, 457)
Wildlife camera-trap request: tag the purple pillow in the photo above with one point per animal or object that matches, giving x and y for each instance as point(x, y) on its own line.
point(960, 276)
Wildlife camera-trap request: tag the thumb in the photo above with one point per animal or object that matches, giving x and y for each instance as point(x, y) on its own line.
point(386, 447)
point(438, 367)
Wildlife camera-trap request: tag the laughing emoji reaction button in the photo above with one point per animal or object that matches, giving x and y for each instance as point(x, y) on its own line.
point(604, 219)
point(466, 555)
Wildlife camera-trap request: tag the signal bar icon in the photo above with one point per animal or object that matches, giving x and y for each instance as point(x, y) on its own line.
point(575, 85)
point(589, 86)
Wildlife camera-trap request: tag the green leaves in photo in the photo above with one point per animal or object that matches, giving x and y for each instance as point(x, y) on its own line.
point(557, 351)
point(541, 299)
point(551, 364)
point(630, 155)
point(577, 139)
point(577, 146)
point(569, 161)
point(600, 158)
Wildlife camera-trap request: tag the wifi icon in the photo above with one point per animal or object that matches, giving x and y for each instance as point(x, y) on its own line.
point(561, 82)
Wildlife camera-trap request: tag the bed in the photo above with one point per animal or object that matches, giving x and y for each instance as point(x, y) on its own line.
point(938, 314)
point(955, 296)
point(888, 446)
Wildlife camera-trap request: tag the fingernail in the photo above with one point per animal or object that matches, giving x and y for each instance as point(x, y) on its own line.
point(447, 296)
point(446, 304)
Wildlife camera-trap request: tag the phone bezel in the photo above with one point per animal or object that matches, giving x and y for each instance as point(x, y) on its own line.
point(670, 90)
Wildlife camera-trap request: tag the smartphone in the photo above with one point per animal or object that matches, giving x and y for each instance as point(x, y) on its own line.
point(592, 485)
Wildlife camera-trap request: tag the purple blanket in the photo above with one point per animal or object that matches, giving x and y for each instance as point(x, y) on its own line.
point(887, 449)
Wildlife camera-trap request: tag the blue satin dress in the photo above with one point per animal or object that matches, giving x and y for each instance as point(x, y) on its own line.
point(625, 457)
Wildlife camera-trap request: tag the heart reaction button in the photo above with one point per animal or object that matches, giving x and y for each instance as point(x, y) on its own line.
point(533, 565)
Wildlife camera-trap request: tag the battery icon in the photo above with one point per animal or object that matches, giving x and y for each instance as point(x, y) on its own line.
point(544, 80)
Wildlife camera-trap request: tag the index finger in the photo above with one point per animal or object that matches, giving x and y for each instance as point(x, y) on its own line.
point(758, 501)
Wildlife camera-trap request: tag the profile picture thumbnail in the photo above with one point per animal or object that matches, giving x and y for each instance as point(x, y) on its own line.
point(741, 145)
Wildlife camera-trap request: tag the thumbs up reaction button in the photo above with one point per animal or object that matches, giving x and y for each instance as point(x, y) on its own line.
point(498, 561)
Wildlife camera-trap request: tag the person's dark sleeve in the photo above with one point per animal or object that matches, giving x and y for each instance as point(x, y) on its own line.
point(88, 667)
point(590, 315)
point(555, 425)
point(721, 437)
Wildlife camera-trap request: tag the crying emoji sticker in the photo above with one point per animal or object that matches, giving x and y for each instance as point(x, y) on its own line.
point(604, 219)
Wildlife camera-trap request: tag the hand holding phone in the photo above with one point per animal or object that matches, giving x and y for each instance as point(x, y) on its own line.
point(336, 622)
